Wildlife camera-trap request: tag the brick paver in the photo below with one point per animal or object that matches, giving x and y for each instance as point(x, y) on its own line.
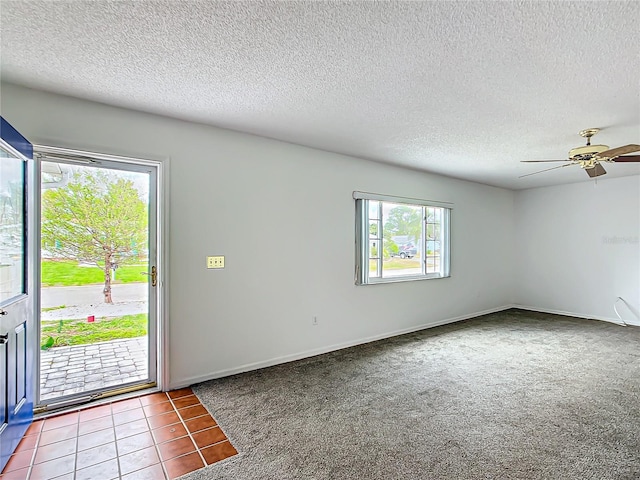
point(80, 368)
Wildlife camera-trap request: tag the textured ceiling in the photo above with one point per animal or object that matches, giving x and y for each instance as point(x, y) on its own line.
point(465, 89)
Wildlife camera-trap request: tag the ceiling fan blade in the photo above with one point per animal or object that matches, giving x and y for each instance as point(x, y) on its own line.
point(627, 158)
point(616, 152)
point(540, 161)
point(546, 170)
point(596, 171)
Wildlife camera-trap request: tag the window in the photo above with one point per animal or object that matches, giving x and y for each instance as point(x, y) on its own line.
point(400, 239)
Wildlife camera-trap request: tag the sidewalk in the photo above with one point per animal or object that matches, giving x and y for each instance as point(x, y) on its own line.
point(79, 368)
point(92, 294)
point(79, 302)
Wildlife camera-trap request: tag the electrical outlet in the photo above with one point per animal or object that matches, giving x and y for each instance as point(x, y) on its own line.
point(314, 321)
point(215, 262)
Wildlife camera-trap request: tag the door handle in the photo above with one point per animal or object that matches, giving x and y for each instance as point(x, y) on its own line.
point(3, 312)
point(153, 275)
point(4, 338)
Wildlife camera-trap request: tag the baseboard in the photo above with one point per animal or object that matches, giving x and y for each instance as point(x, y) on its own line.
point(573, 314)
point(319, 351)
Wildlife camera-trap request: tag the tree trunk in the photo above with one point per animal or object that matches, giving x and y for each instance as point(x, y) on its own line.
point(107, 279)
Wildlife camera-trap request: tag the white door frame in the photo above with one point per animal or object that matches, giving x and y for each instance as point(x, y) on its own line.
point(161, 229)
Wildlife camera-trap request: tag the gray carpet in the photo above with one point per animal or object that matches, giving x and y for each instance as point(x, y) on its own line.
point(514, 394)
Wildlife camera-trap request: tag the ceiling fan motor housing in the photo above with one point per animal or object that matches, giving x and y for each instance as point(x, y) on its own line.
point(586, 152)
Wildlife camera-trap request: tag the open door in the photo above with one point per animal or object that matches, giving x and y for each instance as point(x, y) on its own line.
point(17, 322)
point(98, 292)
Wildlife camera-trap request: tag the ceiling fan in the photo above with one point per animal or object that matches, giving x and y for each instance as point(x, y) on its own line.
point(590, 156)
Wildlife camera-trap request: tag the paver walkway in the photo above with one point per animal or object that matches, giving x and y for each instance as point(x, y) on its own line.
point(80, 368)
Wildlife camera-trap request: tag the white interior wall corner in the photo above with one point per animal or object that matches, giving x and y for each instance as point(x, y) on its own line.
point(579, 248)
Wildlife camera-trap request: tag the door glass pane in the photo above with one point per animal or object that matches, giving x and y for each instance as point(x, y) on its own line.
point(12, 257)
point(94, 315)
point(21, 362)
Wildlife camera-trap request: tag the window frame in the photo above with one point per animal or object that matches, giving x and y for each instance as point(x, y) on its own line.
point(362, 243)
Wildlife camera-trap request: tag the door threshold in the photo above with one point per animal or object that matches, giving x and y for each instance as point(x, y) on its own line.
point(97, 399)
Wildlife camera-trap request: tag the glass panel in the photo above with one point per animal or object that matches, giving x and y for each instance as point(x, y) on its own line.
point(21, 362)
point(402, 232)
point(373, 248)
point(373, 229)
point(373, 258)
point(430, 214)
point(3, 384)
point(94, 251)
point(374, 209)
point(12, 256)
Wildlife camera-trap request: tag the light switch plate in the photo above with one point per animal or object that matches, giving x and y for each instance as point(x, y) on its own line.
point(215, 262)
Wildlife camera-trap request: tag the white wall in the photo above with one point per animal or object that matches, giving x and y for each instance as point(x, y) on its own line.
point(578, 248)
point(284, 217)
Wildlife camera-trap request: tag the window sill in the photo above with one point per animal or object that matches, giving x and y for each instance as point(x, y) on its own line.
point(412, 278)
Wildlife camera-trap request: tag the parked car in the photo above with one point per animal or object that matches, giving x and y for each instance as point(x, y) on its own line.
point(407, 250)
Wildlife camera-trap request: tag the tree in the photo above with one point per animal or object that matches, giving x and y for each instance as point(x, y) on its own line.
point(404, 220)
point(96, 218)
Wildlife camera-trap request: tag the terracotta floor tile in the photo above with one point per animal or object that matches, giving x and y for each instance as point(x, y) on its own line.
point(55, 450)
point(170, 432)
point(140, 438)
point(182, 465)
point(186, 401)
point(131, 428)
point(200, 423)
point(60, 421)
point(218, 452)
point(122, 405)
point(191, 412)
point(158, 409)
point(163, 420)
point(53, 468)
point(19, 460)
point(27, 443)
point(96, 438)
point(175, 448)
point(94, 425)
point(103, 471)
point(208, 437)
point(154, 398)
point(138, 460)
point(127, 416)
point(16, 474)
point(35, 427)
point(154, 472)
point(95, 412)
point(183, 392)
point(135, 442)
point(95, 455)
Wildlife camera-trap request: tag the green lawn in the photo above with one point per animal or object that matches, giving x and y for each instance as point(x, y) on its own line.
point(396, 263)
point(81, 332)
point(67, 273)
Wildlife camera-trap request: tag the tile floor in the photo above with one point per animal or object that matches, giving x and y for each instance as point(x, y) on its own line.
point(156, 437)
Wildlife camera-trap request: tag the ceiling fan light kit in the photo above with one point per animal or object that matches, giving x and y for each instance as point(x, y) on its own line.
point(589, 157)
